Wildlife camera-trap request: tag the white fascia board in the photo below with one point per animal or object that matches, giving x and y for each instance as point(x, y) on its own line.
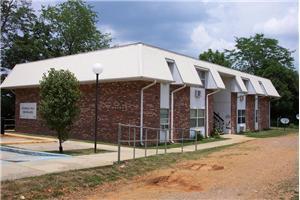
point(241, 84)
point(185, 66)
point(118, 63)
point(250, 88)
point(234, 86)
point(270, 89)
point(256, 86)
point(217, 78)
point(188, 72)
point(154, 64)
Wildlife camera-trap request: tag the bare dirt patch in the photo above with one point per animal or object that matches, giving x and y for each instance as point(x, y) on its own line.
point(259, 169)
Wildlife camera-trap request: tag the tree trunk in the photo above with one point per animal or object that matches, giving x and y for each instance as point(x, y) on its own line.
point(60, 144)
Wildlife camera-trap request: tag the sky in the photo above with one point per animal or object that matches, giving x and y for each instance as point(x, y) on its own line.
point(193, 27)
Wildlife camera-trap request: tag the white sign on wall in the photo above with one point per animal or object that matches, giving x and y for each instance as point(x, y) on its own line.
point(27, 110)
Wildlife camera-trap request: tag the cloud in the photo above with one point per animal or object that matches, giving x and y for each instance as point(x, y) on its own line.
point(287, 25)
point(202, 39)
point(116, 35)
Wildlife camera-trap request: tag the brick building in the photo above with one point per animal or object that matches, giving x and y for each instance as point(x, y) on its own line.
point(176, 91)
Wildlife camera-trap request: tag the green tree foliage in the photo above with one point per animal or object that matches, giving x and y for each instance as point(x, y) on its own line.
point(265, 57)
point(256, 53)
point(18, 39)
point(73, 28)
point(60, 93)
point(63, 29)
point(215, 57)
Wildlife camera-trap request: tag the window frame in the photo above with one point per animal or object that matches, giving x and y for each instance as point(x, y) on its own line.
point(202, 76)
point(164, 125)
point(199, 115)
point(241, 116)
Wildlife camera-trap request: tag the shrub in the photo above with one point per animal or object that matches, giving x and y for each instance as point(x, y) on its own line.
point(60, 93)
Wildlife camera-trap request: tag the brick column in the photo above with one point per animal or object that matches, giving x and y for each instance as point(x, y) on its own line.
point(181, 110)
point(233, 120)
point(263, 117)
point(250, 112)
point(210, 116)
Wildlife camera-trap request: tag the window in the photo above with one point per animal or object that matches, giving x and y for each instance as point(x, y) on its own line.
point(241, 117)
point(196, 118)
point(256, 116)
point(171, 66)
point(202, 75)
point(164, 118)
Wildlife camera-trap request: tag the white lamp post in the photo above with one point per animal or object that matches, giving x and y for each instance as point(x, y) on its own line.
point(97, 69)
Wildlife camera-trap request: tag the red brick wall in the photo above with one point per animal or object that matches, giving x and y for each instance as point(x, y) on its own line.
point(250, 112)
point(28, 125)
point(181, 110)
point(263, 117)
point(233, 112)
point(210, 116)
point(118, 102)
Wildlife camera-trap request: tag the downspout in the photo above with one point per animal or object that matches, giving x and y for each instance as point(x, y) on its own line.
point(142, 109)
point(207, 118)
point(172, 110)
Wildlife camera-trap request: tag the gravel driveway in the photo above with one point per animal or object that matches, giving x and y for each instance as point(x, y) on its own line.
point(258, 169)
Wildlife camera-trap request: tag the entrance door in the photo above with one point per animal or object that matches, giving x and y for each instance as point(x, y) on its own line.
point(256, 114)
point(164, 125)
point(164, 134)
point(256, 119)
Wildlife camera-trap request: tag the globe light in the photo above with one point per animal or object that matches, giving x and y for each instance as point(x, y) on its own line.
point(97, 68)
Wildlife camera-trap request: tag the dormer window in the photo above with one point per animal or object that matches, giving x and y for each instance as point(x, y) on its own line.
point(245, 83)
point(174, 71)
point(202, 76)
point(262, 87)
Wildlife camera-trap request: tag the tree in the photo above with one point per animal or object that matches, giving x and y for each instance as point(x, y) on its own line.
point(63, 29)
point(59, 93)
point(73, 28)
point(215, 57)
point(254, 54)
point(18, 41)
point(265, 57)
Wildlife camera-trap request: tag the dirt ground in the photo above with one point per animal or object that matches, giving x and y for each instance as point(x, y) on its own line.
point(258, 169)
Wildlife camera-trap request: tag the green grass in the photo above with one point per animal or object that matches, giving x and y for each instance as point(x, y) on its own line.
point(273, 132)
point(79, 152)
point(56, 185)
point(186, 143)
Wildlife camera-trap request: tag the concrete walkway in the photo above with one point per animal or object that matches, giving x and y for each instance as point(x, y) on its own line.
point(10, 171)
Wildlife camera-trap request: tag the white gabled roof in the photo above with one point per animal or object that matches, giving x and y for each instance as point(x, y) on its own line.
point(121, 63)
point(133, 62)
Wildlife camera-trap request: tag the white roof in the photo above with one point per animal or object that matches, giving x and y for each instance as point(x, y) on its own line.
point(132, 62)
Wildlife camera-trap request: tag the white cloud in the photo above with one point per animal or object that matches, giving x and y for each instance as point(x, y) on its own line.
point(116, 35)
point(286, 25)
point(202, 39)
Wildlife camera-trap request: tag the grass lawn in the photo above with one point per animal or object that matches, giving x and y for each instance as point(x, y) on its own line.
point(55, 185)
point(273, 132)
point(79, 152)
point(186, 143)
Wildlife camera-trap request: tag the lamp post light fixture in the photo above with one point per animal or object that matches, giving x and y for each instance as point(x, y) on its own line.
point(97, 69)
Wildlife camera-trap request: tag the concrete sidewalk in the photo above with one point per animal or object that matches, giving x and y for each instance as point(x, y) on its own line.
point(10, 171)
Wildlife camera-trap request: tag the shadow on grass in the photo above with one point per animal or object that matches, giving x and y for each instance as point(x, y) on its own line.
point(79, 152)
point(58, 184)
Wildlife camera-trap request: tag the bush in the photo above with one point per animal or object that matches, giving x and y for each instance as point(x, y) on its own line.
point(199, 136)
point(216, 133)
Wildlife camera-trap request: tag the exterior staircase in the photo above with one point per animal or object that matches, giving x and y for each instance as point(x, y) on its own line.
point(218, 122)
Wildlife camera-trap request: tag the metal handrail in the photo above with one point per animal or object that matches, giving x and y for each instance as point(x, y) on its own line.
point(145, 140)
